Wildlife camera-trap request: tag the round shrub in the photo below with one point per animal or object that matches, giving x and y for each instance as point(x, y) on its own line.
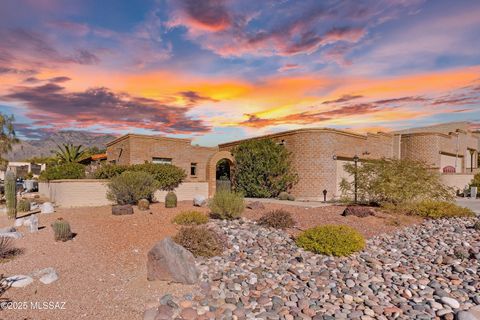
point(189, 218)
point(226, 205)
point(283, 195)
point(109, 170)
point(440, 209)
point(278, 219)
point(200, 240)
point(336, 240)
point(130, 187)
point(69, 170)
point(23, 205)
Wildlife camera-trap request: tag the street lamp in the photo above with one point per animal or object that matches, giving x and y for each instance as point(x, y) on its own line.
point(471, 159)
point(355, 160)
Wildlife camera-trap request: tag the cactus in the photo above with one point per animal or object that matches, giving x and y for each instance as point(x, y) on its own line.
point(61, 229)
point(11, 194)
point(291, 197)
point(283, 195)
point(171, 200)
point(23, 205)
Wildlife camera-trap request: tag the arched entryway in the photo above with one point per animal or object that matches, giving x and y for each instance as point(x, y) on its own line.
point(219, 168)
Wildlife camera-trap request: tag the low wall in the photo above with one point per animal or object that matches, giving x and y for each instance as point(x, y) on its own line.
point(457, 181)
point(92, 192)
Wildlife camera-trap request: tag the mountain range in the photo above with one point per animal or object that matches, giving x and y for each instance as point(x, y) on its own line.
point(27, 149)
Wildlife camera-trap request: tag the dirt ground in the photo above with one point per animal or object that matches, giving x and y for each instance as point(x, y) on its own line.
point(102, 271)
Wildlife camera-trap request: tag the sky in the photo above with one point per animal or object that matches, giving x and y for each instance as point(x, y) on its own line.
point(222, 70)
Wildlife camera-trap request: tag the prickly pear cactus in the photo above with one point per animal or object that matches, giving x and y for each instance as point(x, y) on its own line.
point(171, 200)
point(61, 229)
point(11, 194)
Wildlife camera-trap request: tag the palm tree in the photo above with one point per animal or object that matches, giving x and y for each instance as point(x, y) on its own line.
point(70, 153)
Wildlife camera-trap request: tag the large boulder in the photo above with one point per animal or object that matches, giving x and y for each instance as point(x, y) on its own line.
point(199, 201)
point(121, 210)
point(47, 208)
point(18, 281)
point(358, 211)
point(171, 262)
point(13, 235)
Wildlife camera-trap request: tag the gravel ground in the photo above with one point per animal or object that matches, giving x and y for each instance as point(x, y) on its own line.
point(428, 271)
point(102, 272)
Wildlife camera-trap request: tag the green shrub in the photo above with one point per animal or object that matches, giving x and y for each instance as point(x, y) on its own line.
point(279, 219)
point(109, 170)
point(23, 205)
point(69, 170)
point(283, 195)
point(200, 240)
point(61, 230)
point(129, 187)
point(439, 209)
point(263, 168)
point(395, 181)
point(189, 218)
point(475, 181)
point(168, 176)
point(226, 205)
point(336, 240)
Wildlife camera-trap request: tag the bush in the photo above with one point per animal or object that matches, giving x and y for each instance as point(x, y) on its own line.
point(336, 240)
point(439, 209)
point(70, 170)
point(283, 195)
point(6, 247)
point(129, 187)
point(395, 181)
point(278, 219)
point(475, 181)
point(23, 205)
point(263, 168)
point(476, 225)
point(109, 170)
point(200, 240)
point(226, 205)
point(168, 176)
point(189, 218)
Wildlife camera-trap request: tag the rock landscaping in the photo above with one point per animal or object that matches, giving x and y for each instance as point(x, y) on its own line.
point(413, 273)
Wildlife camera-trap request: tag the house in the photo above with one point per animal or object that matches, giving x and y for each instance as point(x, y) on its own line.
point(21, 169)
point(318, 154)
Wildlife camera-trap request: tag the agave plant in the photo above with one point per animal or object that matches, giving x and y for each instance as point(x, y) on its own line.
point(70, 153)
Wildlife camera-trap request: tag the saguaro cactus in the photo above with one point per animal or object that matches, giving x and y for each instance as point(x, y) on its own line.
point(11, 194)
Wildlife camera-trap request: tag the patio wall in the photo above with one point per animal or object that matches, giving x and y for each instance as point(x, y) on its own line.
point(92, 192)
point(457, 181)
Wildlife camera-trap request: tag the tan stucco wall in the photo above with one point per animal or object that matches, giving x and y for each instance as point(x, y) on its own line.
point(91, 192)
point(457, 181)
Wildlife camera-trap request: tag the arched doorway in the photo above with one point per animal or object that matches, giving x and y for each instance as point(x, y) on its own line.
point(219, 171)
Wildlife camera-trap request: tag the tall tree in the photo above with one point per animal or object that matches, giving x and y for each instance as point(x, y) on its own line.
point(70, 153)
point(7, 136)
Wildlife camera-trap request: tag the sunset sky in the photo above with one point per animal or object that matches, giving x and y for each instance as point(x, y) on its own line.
point(221, 70)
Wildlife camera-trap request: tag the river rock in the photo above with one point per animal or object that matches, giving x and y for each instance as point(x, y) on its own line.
point(121, 210)
point(19, 281)
point(47, 208)
point(199, 201)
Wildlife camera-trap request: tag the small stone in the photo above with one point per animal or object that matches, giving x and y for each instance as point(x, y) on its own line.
point(19, 281)
point(450, 302)
point(465, 315)
point(188, 314)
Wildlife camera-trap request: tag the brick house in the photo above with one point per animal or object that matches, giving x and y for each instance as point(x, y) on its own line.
point(318, 154)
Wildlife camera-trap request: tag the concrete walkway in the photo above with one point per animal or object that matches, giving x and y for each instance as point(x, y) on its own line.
point(473, 204)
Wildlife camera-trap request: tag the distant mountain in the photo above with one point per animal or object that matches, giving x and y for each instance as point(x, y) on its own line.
point(42, 148)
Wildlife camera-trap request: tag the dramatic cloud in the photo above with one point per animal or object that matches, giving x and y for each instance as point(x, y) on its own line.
point(344, 98)
point(51, 104)
point(193, 98)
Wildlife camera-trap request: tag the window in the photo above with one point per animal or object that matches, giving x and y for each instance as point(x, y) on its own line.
point(162, 160)
point(193, 169)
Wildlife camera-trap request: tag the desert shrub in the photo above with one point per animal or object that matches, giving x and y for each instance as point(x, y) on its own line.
point(129, 187)
point(283, 195)
point(69, 170)
point(279, 219)
point(475, 181)
point(168, 176)
point(226, 205)
point(439, 209)
point(23, 205)
point(395, 181)
point(200, 240)
point(336, 240)
point(263, 168)
point(476, 225)
point(188, 218)
point(6, 247)
point(109, 170)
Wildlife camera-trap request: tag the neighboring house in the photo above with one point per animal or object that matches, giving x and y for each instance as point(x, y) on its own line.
point(21, 169)
point(94, 159)
point(318, 154)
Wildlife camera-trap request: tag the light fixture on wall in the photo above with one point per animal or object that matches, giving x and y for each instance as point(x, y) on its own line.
point(334, 157)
